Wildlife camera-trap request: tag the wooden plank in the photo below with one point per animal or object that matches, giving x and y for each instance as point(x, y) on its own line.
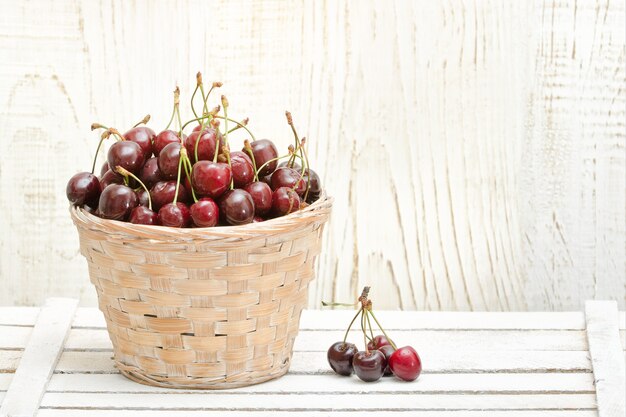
point(18, 316)
point(40, 358)
point(278, 413)
point(230, 402)
point(607, 357)
point(5, 380)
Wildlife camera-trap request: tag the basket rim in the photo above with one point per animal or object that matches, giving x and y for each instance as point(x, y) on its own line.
point(318, 211)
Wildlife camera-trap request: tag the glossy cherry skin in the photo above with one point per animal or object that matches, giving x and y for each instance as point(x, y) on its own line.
point(210, 179)
point(104, 168)
point(205, 213)
point(387, 350)
point(174, 215)
point(143, 215)
point(142, 136)
point(261, 194)
point(266, 179)
point(163, 139)
point(241, 166)
point(142, 197)
point(83, 188)
point(126, 154)
point(168, 160)
point(258, 219)
point(163, 192)
point(150, 173)
point(284, 201)
point(315, 185)
point(236, 207)
point(378, 341)
point(206, 145)
point(340, 357)
point(263, 151)
point(288, 177)
point(405, 363)
point(110, 177)
point(369, 366)
point(116, 202)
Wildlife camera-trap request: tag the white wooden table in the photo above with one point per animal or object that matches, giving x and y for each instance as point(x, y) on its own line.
point(58, 364)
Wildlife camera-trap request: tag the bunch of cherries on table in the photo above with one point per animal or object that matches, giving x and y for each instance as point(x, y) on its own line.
point(179, 180)
point(380, 358)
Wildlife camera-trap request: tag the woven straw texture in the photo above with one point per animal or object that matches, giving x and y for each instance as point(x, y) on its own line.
point(205, 308)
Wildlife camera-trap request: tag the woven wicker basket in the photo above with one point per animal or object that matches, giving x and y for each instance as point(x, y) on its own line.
point(203, 308)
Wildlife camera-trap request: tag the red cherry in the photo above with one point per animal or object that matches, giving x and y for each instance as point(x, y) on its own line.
point(143, 215)
point(126, 154)
point(116, 202)
point(258, 219)
point(142, 197)
point(83, 188)
point(387, 350)
point(168, 161)
point(205, 213)
point(263, 151)
point(288, 177)
point(165, 138)
point(142, 136)
point(236, 207)
point(369, 366)
point(315, 185)
point(163, 192)
point(405, 363)
point(206, 146)
point(150, 173)
point(211, 179)
point(284, 201)
point(267, 179)
point(378, 342)
point(261, 194)
point(174, 215)
point(104, 169)
point(110, 177)
point(241, 166)
point(340, 356)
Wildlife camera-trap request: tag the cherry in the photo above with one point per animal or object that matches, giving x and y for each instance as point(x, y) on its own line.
point(168, 160)
point(236, 207)
point(205, 213)
point(241, 166)
point(150, 173)
point(142, 197)
point(104, 169)
point(288, 177)
point(261, 194)
point(369, 365)
point(83, 188)
point(142, 136)
point(267, 179)
point(284, 201)
point(116, 202)
point(110, 177)
point(405, 363)
point(211, 179)
point(258, 219)
point(126, 154)
point(315, 185)
point(295, 166)
point(165, 138)
point(264, 150)
point(163, 192)
point(206, 145)
point(143, 215)
point(387, 350)
point(378, 342)
point(174, 215)
point(340, 357)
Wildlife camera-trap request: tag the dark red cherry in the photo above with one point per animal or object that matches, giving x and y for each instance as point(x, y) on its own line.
point(168, 161)
point(315, 185)
point(261, 194)
point(142, 136)
point(369, 366)
point(236, 207)
point(174, 215)
point(104, 169)
point(211, 179)
point(126, 154)
point(165, 138)
point(150, 173)
point(83, 188)
point(143, 215)
point(405, 363)
point(263, 151)
point(205, 213)
point(284, 201)
point(116, 202)
point(266, 179)
point(241, 166)
point(387, 350)
point(377, 342)
point(142, 197)
point(163, 192)
point(294, 165)
point(110, 177)
point(288, 177)
point(258, 219)
point(340, 357)
point(206, 145)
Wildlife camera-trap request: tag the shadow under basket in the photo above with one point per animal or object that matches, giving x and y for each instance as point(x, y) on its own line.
point(206, 308)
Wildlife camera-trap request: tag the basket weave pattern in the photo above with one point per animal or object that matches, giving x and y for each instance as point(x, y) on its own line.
point(203, 308)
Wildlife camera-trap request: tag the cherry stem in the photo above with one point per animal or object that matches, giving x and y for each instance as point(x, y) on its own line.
point(175, 108)
point(240, 124)
point(295, 135)
point(124, 172)
point(183, 155)
point(345, 337)
point(200, 134)
point(369, 323)
point(308, 172)
point(188, 169)
point(302, 171)
point(105, 135)
point(115, 132)
point(226, 148)
point(193, 110)
point(143, 121)
point(215, 116)
point(327, 304)
point(248, 149)
point(243, 122)
point(393, 345)
point(365, 336)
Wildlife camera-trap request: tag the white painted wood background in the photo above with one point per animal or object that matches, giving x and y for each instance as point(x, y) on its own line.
point(475, 149)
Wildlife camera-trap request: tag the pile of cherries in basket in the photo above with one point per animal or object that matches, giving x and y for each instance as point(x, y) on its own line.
point(195, 180)
point(380, 357)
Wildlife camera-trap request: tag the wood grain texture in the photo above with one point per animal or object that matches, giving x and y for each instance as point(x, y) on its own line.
point(476, 149)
